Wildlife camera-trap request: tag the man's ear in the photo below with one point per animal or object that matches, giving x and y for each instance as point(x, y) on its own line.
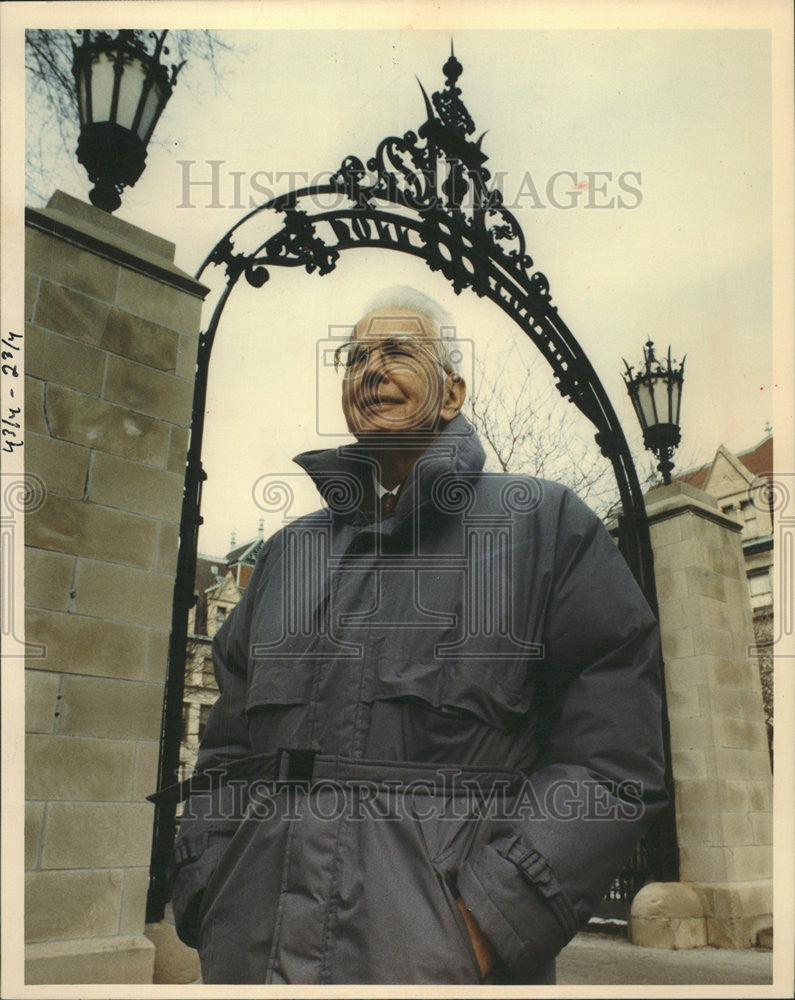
point(455, 392)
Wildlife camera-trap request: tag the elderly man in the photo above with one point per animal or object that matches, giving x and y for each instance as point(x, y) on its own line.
point(438, 736)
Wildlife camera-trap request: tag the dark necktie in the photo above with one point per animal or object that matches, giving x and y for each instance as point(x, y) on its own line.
point(388, 501)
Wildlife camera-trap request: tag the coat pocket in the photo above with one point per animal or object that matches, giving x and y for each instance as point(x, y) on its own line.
point(278, 705)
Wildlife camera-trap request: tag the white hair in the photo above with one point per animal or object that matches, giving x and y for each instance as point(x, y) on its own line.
point(412, 300)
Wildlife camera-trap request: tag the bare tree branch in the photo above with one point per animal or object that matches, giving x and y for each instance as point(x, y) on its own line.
point(529, 429)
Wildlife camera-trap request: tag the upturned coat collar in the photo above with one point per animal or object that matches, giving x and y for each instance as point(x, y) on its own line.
point(343, 475)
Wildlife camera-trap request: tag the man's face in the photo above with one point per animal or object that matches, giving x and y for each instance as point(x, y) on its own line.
point(393, 382)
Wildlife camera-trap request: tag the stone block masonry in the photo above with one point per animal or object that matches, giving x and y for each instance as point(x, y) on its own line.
point(721, 766)
point(111, 328)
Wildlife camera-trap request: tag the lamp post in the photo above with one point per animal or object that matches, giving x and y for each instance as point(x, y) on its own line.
point(121, 92)
point(656, 394)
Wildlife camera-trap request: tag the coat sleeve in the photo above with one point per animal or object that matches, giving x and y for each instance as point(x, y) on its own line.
point(211, 818)
point(599, 780)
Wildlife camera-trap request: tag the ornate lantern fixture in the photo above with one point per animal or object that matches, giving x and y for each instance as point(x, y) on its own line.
point(656, 394)
point(121, 93)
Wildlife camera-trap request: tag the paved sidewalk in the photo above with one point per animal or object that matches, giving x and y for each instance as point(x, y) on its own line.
point(606, 959)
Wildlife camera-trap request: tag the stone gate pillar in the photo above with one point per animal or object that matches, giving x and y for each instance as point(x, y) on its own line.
point(720, 759)
point(111, 336)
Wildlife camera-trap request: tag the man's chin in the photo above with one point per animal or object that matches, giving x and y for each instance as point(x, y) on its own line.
point(392, 434)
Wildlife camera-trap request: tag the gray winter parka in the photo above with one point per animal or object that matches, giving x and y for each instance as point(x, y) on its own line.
point(461, 698)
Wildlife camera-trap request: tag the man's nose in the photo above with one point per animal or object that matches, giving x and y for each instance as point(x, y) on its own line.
point(375, 367)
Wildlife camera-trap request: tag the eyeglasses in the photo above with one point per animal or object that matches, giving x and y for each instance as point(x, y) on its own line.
point(352, 357)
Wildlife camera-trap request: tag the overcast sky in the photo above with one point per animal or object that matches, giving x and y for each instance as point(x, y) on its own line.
point(673, 241)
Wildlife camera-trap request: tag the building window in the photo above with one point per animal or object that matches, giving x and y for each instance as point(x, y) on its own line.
point(220, 615)
point(760, 588)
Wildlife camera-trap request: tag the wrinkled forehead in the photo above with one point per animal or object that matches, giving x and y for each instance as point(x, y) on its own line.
point(390, 322)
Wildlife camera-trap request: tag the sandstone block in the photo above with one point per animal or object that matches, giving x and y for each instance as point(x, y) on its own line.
point(139, 340)
point(668, 915)
point(34, 406)
point(31, 294)
point(683, 703)
point(160, 303)
point(69, 265)
point(671, 585)
point(688, 763)
point(703, 582)
point(97, 835)
point(97, 424)
point(665, 532)
point(147, 390)
point(34, 820)
point(745, 796)
point(63, 467)
point(762, 826)
point(686, 554)
point(41, 700)
point(65, 767)
point(71, 904)
point(66, 311)
point(48, 578)
point(703, 864)
point(175, 962)
point(673, 933)
point(689, 733)
point(186, 359)
point(145, 775)
point(178, 450)
point(86, 645)
point(738, 933)
point(87, 529)
point(157, 656)
point(122, 959)
point(734, 829)
point(726, 558)
point(116, 482)
point(133, 905)
point(109, 228)
point(694, 829)
point(59, 359)
point(112, 708)
point(696, 795)
point(725, 671)
point(167, 548)
point(736, 703)
point(710, 640)
point(736, 762)
point(104, 590)
point(677, 643)
point(750, 861)
point(745, 734)
point(733, 900)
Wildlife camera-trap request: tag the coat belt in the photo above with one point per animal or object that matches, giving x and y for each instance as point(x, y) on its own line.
point(293, 767)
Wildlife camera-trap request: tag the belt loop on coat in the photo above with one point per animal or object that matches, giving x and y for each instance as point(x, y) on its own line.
point(294, 768)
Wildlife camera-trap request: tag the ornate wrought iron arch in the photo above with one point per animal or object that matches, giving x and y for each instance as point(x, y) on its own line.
point(426, 194)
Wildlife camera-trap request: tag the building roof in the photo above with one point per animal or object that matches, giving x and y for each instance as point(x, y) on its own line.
point(246, 553)
point(758, 460)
